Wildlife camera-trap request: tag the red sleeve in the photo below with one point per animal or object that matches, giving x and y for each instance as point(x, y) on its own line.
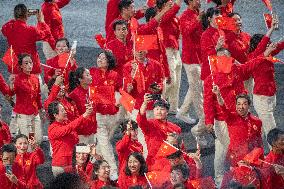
point(39, 104)
point(5, 132)
point(143, 123)
point(280, 47)
point(147, 28)
point(139, 14)
point(208, 45)
point(246, 70)
point(234, 47)
point(261, 47)
point(112, 12)
point(88, 126)
point(123, 144)
point(188, 26)
point(38, 156)
point(170, 14)
point(208, 103)
point(42, 33)
point(52, 96)
point(58, 132)
point(4, 88)
point(226, 113)
point(62, 3)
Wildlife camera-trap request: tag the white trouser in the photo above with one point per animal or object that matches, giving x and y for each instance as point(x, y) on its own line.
point(86, 139)
point(140, 135)
point(172, 90)
point(47, 50)
point(194, 93)
point(24, 124)
point(264, 107)
point(221, 148)
point(57, 170)
point(106, 123)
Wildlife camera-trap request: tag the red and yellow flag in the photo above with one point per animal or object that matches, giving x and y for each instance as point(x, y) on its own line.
point(268, 20)
point(203, 183)
point(157, 178)
point(11, 60)
point(127, 101)
point(102, 94)
point(220, 64)
point(166, 149)
point(268, 4)
point(146, 42)
point(226, 23)
point(101, 41)
point(254, 156)
point(62, 60)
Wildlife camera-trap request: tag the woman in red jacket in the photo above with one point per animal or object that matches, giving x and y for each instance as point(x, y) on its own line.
point(63, 135)
point(101, 175)
point(29, 161)
point(134, 173)
point(26, 87)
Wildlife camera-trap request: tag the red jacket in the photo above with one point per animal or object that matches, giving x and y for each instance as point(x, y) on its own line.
point(29, 162)
point(170, 27)
point(53, 62)
point(53, 17)
point(84, 173)
point(191, 31)
point(155, 131)
point(230, 85)
point(124, 148)
point(277, 181)
point(68, 104)
point(244, 133)
point(261, 47)
point(23, 39)
point(226, 10)
point(122, 53)
point(27, 91)
point(4, 88)
point(79, 95)
point(96, 184)
point(152, 73)
point(17, 171)
point(124, 181)
point(5, 135)
point(108, 78)
point(64, 136)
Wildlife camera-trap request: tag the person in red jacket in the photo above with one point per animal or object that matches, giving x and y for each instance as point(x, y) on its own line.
point(244, 128)
point(100, 175)
point(180, 175)
point(155, 130)
point(11, 174)
point(191, 31)
point(26, 87)
point(128, 144)
point(134, 172)
point(5, 135)
point(170, 27)
point(29, 161)
point(63, 134)
point(226, 6)
point(53, 18)
point(275, 138)
point(23, 37)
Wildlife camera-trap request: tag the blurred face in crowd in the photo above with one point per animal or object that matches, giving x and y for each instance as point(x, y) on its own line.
point(8, 158)
point(141, 55)
point(160, 113)
point(22, 145)
point(195, 4)
point(27, 65)
point(61, 93)
point(134, 165)
point(86, 79)
point(102, 61)
point(81, 158)
point(242, 107)
point(279, 143)
point(121, 32)
point(62, 115)
point(133, 132)
point(104, 171)
point(212, 20)
point(61, 47)
point(129, 11)
point(224, 53)
point(238, 21)
point(176, 177)
point(225, 2)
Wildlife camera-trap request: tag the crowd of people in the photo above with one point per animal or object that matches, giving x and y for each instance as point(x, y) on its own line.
point(134, 86)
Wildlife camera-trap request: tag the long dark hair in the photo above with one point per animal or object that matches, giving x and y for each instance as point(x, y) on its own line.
point(53, 109)
point(96, 167)
point(74, 78)
point(110, 59)
point(140, 158)
point(254, 41)
point(74, 157)
point(209, 14)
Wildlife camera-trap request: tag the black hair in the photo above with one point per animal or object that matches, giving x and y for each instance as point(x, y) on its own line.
point(66, 181)
point(52, 109)
point(20, 11)
point(179, 186)
point(183, 168)
point(245, 96)
point(217, 2)
point(135, 187)
point(273, 135)
point(143, 165)
point(222, 49)
point(233, 14)
point(124, 4)
point(22, 56)
point(175, 155)
point(74, 78)
point(160, 3)
point(209, 14)
point(50, 83)
point(19, 136)
point(63, 39)
point(74, 157)
point(162, 103)
point(187, 1)
point(8, 148)
point(96, 167)
point(119, 22)
point(48, 1)
point(110, 59)
point(254, 41)
point(150, 13)
point(123, 125)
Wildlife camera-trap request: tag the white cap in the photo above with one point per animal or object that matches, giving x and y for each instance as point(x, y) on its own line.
point(83, 149)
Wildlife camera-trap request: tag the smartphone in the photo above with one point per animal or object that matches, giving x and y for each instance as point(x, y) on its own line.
point(155, 96)
point(8, 169)
point(31, 135)
point(33, 11)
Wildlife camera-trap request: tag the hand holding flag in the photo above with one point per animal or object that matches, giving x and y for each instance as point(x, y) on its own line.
point(101, 41)
point(11, 60)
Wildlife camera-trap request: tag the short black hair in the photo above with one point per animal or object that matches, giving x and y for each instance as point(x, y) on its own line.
point(8, 148)
point(96, 166)
point(162, 103)
point(245, 96)
point(183, 168)
point(20, 11)
point(123, 125)
point(140, 158)
point(254, 41)
point(179, 186)
point(110, 59)
point(119, 22)
point(233, 14)
point(53, 108)
point(150, 13)
point(19, 136)
point(74, 78)
point(217, 2)
point(22, 56)
point(48, 0)
point(160, 3)
point(209, 14)
point(66, 181)
point(124, 4)
point(273, 135)
point(175, 155)
point(63, 39)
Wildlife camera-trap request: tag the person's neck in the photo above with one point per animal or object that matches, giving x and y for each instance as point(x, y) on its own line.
point(123, 40)
point(103, 179)
point(103, 69)
point(25, 72)
point(84, 86)
point(245, 116)
point(125, 16)
point(142, 60)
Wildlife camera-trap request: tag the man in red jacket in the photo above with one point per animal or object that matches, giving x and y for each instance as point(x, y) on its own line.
point(23, 37)
point(191, 31)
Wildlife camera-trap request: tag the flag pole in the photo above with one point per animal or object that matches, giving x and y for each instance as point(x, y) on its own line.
point(148, 181)
point(47, 66)
point(12, 59)
point(74, 46)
